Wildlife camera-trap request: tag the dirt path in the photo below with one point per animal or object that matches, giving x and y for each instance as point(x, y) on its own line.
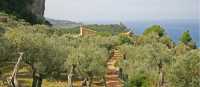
point(112, 75)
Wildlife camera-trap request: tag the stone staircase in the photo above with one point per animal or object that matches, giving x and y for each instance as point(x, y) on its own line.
point(112, 74)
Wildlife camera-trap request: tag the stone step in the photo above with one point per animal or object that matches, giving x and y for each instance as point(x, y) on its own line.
point(112, 62)
point(112, 76)
point(116, 58)
point(114, 86)
point(112, 73)
point(113, 79)
point(113, 83)
point(112, 67)
point(116, 54)
point(116, 69)
point(115, 50)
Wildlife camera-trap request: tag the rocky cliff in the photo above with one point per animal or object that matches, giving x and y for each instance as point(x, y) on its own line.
point(37, 7)
point(30, 10)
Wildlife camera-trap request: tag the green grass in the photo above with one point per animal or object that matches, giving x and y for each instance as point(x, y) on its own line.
point(25, 79)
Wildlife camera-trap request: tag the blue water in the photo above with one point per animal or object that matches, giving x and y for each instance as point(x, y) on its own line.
point(174, 28)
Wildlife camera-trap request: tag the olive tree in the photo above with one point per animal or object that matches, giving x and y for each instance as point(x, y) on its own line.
point(185, 72)
point(43, 53)
point(87, 59)
point(186, 44)
point(146, 65)
point(155, 29)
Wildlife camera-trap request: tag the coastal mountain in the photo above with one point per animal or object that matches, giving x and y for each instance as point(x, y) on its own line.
point(62, 23)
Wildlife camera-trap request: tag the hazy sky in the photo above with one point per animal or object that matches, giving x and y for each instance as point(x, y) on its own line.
point(122, 10)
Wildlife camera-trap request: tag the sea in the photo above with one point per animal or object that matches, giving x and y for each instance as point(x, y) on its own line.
point(173, 28)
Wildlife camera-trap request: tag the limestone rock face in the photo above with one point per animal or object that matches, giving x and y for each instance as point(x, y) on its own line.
point(37, 7)
point(30, 10)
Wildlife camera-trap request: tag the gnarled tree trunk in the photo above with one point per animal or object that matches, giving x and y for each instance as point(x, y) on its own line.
point(70, 83)
point(70, 76)
point(161, 75)
point(37, 79)
point(89, 82)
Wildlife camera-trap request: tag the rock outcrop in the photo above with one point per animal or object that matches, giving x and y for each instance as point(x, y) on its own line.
point(30, 10)
point(37, 7)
